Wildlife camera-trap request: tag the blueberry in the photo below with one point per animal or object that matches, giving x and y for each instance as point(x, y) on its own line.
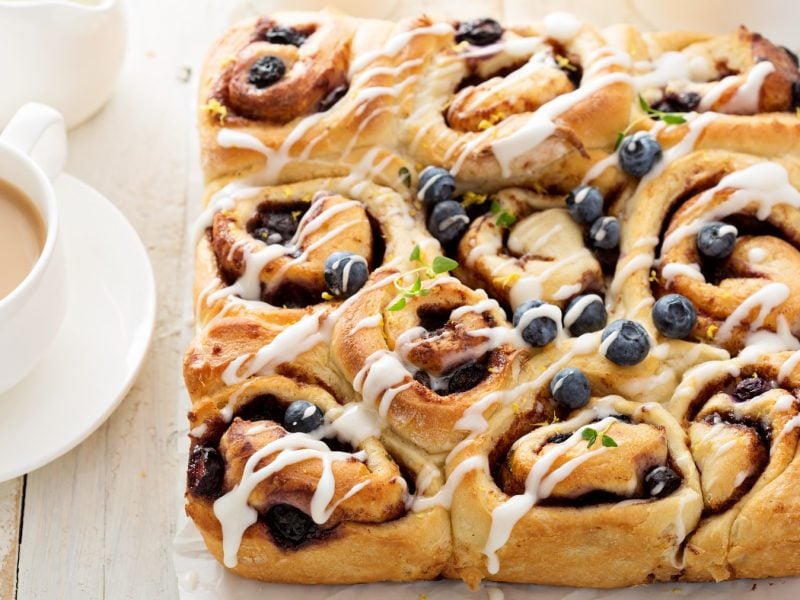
point(538, 331)
point(674, 316)
point(570, 388)
point(751, 387)
point(302, 416)
point(435, 185)
point(345, 273)
point(678, 102)
point(285, 35)
point(604, 233)
point(448, 221)
point(266, 71)
point(638, 153)
point(661, 482)
point(332, 98)
point(288, 525)
point(628, 346)
point(716, 239)
point(205, 472)
point(585, 314)
point(465, 377)
point(558, 438)
point(791, 55)
point(480, 32)
point(585, 204)
point(796, 93)
point(276, 228)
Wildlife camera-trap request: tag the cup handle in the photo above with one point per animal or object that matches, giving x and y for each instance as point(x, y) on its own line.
point(38, 131)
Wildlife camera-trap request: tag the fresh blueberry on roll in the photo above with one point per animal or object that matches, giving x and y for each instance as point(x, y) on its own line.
point(345, 273)
point(585, 314)
point(638, 153)
point(674, 316)
point(661, 482)
point(585, 204)
point(604, 233)
point(480, 32)
point(750, 388)
point(435, 185)
point(206, 471)
point(266, 71)
point(716, 239)
point(302, 416)
point(538, 331)
point(448, 221)
point(285, 35)
point(625, 343)
point(570, 388)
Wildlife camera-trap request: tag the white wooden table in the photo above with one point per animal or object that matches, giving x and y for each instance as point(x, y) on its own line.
point(98, 522)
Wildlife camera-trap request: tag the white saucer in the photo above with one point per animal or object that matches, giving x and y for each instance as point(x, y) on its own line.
point(104, 338)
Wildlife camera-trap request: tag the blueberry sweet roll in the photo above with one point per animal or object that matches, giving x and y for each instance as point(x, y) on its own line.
point(742, 418)
point(513, 105)
point(604, 498)
point(287, 486)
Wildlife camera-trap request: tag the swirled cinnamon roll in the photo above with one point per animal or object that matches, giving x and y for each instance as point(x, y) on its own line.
point(425, 364)
point(513, 104)
point(742, 418)
point(615, 482)
point(274, 268)
point(723, 227)
point(296, 95)
point(281, 479)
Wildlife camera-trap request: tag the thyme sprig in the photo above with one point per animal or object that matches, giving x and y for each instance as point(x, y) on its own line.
point(670, 118)
point(440, 264)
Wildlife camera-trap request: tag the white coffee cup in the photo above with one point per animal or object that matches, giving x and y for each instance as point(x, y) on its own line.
point(32, 152)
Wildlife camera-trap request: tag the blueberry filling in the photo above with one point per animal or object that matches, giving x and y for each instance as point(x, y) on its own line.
point(750, 387)
point(460, 379)
point(206, 472)
point(480, 32)
point(661, 482)
point(273, 227)
point(289, 526)
point(558, 438)
point(332, 98)
point(284, 35)
point(266, 71)
point(678, 102)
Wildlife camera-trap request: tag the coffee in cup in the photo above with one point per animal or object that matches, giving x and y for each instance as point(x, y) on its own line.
point(22, 235)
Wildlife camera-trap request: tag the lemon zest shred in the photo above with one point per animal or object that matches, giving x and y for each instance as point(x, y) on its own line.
point(216, 109)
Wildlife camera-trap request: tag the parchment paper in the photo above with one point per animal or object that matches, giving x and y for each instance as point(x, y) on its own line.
point(199, 575)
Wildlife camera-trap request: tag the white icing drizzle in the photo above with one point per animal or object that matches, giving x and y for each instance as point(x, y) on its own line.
point(567, 291)
point(444, 497)
point(561, 26)
point(756, 255)
point(633, 263)
point(696, 124)
point(788, 366)
point(765, 183)
point(790, 426)
point(541, 124)
point(539, 484)
point(745, 99)
point(397, 44)
point(367, 323)
point(531, 286)
point(767, 298)
point(234, 513)
point(672, 270)
point(669, 67)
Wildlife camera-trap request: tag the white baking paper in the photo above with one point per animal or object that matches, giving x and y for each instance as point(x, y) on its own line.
point(201, 577)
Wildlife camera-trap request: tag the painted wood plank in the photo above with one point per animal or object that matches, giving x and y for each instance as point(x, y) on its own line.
point(11, 493)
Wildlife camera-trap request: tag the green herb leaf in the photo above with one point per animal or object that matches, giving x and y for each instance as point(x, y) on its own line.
point(442, 264)
point(414, 289)
point(415, 253)
point(506, 219)
point(672, 119)
point(495, 208)
point(620, 137)
point(399, 305)
point(644, 105)
point(608, 441)
point(424, 292)
point(405, 176)
point(590, 435)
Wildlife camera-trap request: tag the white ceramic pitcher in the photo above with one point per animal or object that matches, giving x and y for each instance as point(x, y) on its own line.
point(64, 53)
